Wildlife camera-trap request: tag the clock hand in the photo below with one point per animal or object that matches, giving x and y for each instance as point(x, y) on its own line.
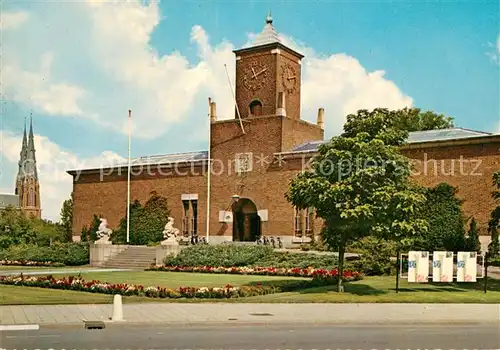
point(254, 73)
point(262, 71)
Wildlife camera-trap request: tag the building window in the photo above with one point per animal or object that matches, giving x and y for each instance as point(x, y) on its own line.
point(298, 222)
point(243, 162)
point(255, 108)
point(309, 220)
point(194, 218)
point(185, 218)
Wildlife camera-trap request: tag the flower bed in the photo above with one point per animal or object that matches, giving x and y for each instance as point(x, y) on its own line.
point(228, 291)
point(29, 263)
point(264, 271)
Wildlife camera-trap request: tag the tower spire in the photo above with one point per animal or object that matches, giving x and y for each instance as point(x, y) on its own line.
point(31, 157)
point(269, 18)
point(23, 154)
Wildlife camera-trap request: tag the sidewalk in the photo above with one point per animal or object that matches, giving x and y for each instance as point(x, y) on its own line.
point(214, 313)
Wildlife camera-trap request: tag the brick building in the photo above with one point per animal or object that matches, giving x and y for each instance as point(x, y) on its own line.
point(256, 154)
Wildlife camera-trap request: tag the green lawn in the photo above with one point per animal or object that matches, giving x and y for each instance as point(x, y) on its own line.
point(174, 279)
point(368, 290)
point(381, 289)
point(41, 268)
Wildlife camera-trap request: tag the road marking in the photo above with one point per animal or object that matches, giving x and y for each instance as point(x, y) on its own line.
point(20, 327)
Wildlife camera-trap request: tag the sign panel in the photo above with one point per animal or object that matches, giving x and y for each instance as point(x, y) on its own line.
point(466, 266)
point(418, 266)
point(442, 267)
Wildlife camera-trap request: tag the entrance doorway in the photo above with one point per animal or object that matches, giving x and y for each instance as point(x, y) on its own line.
point(246, 221)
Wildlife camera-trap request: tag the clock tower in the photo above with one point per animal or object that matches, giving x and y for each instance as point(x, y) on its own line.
point(268, 76)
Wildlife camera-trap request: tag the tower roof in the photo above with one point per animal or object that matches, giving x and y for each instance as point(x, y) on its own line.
point(23, 154)
point(267, 37)
point(27, 159)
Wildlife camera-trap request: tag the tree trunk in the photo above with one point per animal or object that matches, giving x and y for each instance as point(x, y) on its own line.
point(340, 287)
point(398, 262)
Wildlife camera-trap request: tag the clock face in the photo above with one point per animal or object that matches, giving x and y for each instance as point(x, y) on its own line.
point(289, 77)
point(255, 76)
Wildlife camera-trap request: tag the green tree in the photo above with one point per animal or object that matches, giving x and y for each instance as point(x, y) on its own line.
point(416, 120)
point(359, 185)
point(473, 242)
point(393, 126)
point(146, 222)
point(443, 211)
point(494, 223)
point(90, 234)
point(67, 218)
point(16, 228)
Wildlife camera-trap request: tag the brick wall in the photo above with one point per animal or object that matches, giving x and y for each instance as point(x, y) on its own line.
point(267, 184)
point(108, 196)
point(468, 167)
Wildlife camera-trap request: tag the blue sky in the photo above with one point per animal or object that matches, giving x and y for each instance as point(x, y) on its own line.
point(80, 66)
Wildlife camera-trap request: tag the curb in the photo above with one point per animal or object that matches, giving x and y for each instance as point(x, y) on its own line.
point(236, 323)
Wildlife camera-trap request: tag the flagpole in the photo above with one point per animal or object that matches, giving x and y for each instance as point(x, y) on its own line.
point(209, 162)
point(128, 174)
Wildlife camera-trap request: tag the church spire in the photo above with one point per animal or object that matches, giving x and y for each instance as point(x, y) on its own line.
point(23, 154)
point(31, 157)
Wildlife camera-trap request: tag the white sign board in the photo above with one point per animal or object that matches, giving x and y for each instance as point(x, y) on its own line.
point(225, 216)
point(442, 267)
point(466, 266)
point(418, 266)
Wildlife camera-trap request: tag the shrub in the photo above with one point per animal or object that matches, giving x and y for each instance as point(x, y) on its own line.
point(473, 243)
point(375, 256)
point(443, 212)
point(229, 255)
point(146, 222)
point(71, 254)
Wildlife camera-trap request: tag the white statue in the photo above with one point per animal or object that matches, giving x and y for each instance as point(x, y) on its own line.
point(103, 233)
point(170, 233)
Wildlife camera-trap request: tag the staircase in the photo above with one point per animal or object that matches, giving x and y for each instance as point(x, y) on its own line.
point(134, 257)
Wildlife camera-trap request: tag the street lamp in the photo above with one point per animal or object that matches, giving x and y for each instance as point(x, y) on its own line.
point(235, 198)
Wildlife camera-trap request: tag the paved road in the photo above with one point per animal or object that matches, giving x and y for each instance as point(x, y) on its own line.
point(257, 337)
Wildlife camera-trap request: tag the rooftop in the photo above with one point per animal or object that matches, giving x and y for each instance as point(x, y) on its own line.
point(414, 137)
point(200, 156)
point(9, 199)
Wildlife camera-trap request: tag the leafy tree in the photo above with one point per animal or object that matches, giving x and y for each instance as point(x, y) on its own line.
point(494, 223)
point(15, 228)
point(90, 234)
point(393, 126)
point(67, 218)
point(416, 120)
point(473, 243)
point(443, 211)
point(146, 222)
point(359, 185)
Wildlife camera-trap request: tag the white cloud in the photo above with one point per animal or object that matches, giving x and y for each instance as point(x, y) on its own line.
point(494, 54)
point(12, 20)
point(37, 89)
point(53, 162)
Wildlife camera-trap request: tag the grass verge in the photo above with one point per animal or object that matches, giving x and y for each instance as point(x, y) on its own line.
point(368, 290)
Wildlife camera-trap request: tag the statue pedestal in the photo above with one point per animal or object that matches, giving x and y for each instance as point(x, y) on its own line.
point(170, 241)
point(103, 240)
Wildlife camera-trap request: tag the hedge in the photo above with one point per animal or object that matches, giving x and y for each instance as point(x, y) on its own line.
point(71, 254)
point(230, 255)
